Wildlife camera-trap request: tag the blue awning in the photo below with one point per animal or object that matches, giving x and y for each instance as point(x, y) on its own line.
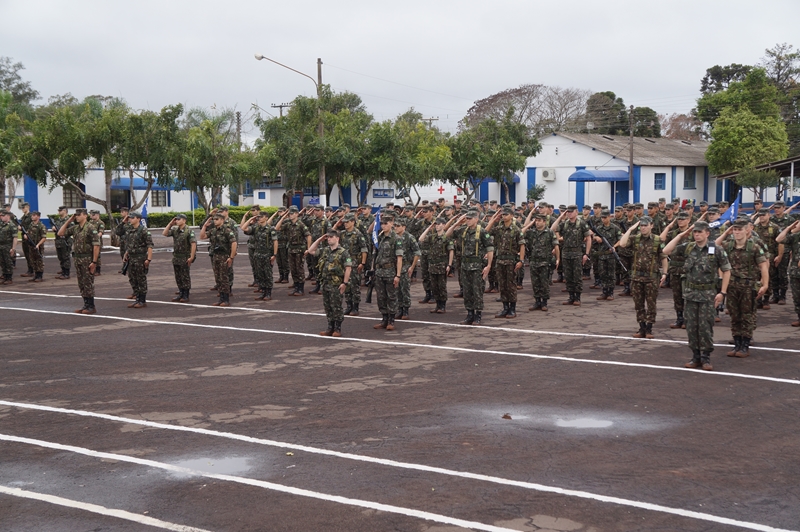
point(599, 175)
point(124, 183)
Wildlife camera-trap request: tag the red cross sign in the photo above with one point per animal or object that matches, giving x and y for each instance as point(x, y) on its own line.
point(441, 189)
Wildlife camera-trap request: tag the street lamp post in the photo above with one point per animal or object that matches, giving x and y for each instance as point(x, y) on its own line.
point(320, 129)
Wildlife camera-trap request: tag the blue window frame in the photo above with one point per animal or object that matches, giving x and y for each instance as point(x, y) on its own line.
point(689, 178)
point(660, 181)
point(262, 195)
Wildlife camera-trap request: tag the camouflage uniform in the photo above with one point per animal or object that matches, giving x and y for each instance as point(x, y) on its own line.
point(8, 231)
point(768, 233)
point(390, 246)
point(573, 248)
point(419, 227)
point(316, 227)
point(626, 255)
point(182, 240)
point(439, 248)
point(63, 245)
point(83, 241)
point(283, 257)
point(474, 244)
point(507, 243)
point(606, 262)
point(699, 290)
point(263, 239)
point(331, 267)
point(36, 232)
point(792, 246)
point(26, 222)
point(676, 271)
point(539, 246)
point(356, 245)
point(781, 283)
point(220, 243)
point(410, 250)
point(645, 278)
point(101, 228)
point(743, 286)
point(139, 241)
point(295, 235)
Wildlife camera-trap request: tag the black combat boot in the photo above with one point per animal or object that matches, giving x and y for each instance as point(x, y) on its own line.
point(178, 297)
point(354, 312)
point(329, 330)
point(577, 299)
point(226, 300)
point(744, 348)
point(383, 324)
point(537, 305)
point(626, 292)
point(571, 299)
point(544, 305)
point(470, 318)
point(405, 313)
point(293, 291)
point(66, 273)
point(705, 361)
point(301, 289)
point(348, 308)
point(399, 315)
point(477, 319)
point(90, 309)
point(648, 333)
point(314, 290)
point(695, 361)
point(782, 297)
point(185, 296)
point(267, 294)
point(262, 293)
point(443, 308)
point(610, 294)
point(737, 344)
point(560, 277)
point(428, 296)
point(503, 313)
point(337, 328)
point(390, 325)
point(642, 330)
point(678, 320)
point(512, 310)
point(85, 305)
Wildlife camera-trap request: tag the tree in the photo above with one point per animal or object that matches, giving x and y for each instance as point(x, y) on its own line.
point(646, 123)
point(536, 192)
point(10, 81)
point(782, 64)
point(755, 93)
point(606, 114)
point(718, 78)
point(680, 126)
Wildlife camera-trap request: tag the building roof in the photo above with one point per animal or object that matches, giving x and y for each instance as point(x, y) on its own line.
point(646, 151)
point(785, 167)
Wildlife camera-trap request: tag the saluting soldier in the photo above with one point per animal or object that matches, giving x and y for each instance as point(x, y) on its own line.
point(63, 243)
point(675, 270)
point(101, 228)
point(625, 254)
point(411, 254)
point(184, 251)
point(317, 225)
point(477, 253)
point(768, 232)
point(541, 244)
point(298, 240)
point(388, 269)
point(333, 274)
point(782, 219)
point(509, 250)
point(85, 249)
point(440, 260)
point(265, 249)
point(790, 238)
point(606, 262)
point(645, 276)
point(37, 233)
point(8, 244)
point(354, 241)
point(139, 254)
point(254, 212)
point(574, 238)
point(222, 242)
point(419, 227)
point(25, 222)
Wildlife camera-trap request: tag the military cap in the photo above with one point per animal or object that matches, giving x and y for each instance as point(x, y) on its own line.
point(401, 220)
point(723, 203)
point(645, 220)
point(36, 213)
point(762, 211)
point(222, 208)
point(701, 225)
point(638, 205)
point(472, 214)
point(490, 212)
point(390, 204)
point(62, 208)
point(779, 203)
point(441, 220)
point(6, 206)
point(349, 217)
point(539, 216)
point(572, 207)
point(339, 208)
point(281, 208)
point(543, 204)
point(442, 199)
point(618, 208)
point(682, 216)
point(703, 204)
point(628, 207)
point(587, 208)
point(741, 222)
point(652, 205)
point(84, 211)
point(604, 214)
point(346, 205)
point(24, 204)
point(493, 202)
point(474, 201)
point(668, 207)
point(327, 209)
point(387, 215)
point(255, 207)
point(597, 205)
point(408, 207)
point(132, 214)
point(457, 200)
point(4, 212)
point(94, 211)
point(662, 200)
point(294, 208)
point(219, 215)
point(333, 232)
point(508, 209)
point(180, 216)
point(713, 210)
point(448, 207)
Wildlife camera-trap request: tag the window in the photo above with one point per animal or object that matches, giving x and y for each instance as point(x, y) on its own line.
point(248, 188)
point(689, 173)
point(159, 198)
point(72, 200)
point(660, 181)
point(270, 182)
point(262, 195)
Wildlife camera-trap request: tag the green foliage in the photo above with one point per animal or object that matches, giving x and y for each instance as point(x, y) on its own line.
point(755, 93)
point(536, 192)
point(718, 78)
point(11, 82)
point(741, 140)
point(757, 180)
point(646, 123)
point(607, 114)
point(161, 219)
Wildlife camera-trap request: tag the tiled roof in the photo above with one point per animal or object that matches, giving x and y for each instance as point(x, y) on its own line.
point(646, 151)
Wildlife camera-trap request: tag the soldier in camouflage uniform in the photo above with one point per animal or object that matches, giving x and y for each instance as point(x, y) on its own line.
point(411, 254)
point(388, 270)
point(477, 254)
point(509, 251)
point(782, 219)
point(645, 277)
point(317, 225)
point(675, 271)
point(354, 241)
point(419, 227)
point(184, 251)
point(440, 261)
point(658, 219)
point(254, 212)
point(790, 238)
point(298, 240)
point(702, 260)
point(625, 254)
point(265, 249)
point(63, 244)
point(123, 213)
point(85, 249)
point(38, 236)
point(283, 252)
point(25, 223)
point(138, 256)
point(333, 274)
point(574, 239)
point(749, 281)
point(606, 262)
point(768, 232)
point(8, 244)
point(223, 243)
point(541, 244)
point(101, 228)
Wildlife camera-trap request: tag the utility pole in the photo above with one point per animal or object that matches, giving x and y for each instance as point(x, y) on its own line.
point(280, 106)
point(239, 144)
point(323, 200)
point(630, 160)
point(429, 120)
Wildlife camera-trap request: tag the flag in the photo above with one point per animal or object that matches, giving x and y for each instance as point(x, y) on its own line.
point(730, 215)
point(376, 230)
point(144, 210)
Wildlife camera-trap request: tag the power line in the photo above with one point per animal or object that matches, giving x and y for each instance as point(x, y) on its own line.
point(401, 84)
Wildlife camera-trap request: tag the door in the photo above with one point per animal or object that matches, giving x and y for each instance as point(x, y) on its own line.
point(620, 193)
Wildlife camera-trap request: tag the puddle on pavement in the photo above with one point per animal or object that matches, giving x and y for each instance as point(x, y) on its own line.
point(584, 423)
point(232, 465)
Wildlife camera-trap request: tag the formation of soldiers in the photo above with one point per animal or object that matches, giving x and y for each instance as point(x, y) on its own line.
point(749, 262)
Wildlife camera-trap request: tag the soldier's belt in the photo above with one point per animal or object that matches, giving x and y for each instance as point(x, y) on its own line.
point(82, 255)
point(387, 265)
point(635, 273)
point(702, 286)
point(472, 259)
point(736, 279)
point(137, 254)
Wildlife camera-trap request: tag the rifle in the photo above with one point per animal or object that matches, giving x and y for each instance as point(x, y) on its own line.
point(28, 238)
point(369, 280)
point(125, 265)
point(610, 247)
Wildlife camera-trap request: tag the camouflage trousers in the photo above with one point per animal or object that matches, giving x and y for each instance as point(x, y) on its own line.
point(677, 291)
point(311, 264)
point(180, 266)
point(644, 295)
point(296, 267)
point(573, 274)
point(219, 263)
point(137, 274)
point(699, 317)
point(438, 281)
point(353, 292)
point(795, 284)
point(26, 250)
point(262, 270)
point(99, 260)
point(62, 252)
point(37, 264)
point(424, 267)
point(332, 301)
point(782, 274)
point(773, 279)
point(283, 261)
point(386, 294)
point(457, 268)
point(404, 290)
point(627, 261)
point(606, 271)
point(742, 308)
point(493, 273)
point(85, 277)
point(541, 275)
point(250, 254)
point(473, 289)
point(6, 262)
point(507, 280)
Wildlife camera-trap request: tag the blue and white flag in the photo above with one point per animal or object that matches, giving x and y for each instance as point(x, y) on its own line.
point(144, 210)
point(730, 215)
point(376, 230)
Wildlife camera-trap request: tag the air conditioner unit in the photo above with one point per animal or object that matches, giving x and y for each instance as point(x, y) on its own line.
point(549, 174)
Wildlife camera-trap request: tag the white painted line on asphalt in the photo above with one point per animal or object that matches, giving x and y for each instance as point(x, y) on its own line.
point(377, 506)
point(424, 346)
point(102, 510)
point(428, 516)
point(422, 322)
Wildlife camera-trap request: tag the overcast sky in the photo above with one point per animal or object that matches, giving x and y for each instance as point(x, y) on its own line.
point(438, 56)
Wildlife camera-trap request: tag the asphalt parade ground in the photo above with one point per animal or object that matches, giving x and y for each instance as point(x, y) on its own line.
point(194, 417)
